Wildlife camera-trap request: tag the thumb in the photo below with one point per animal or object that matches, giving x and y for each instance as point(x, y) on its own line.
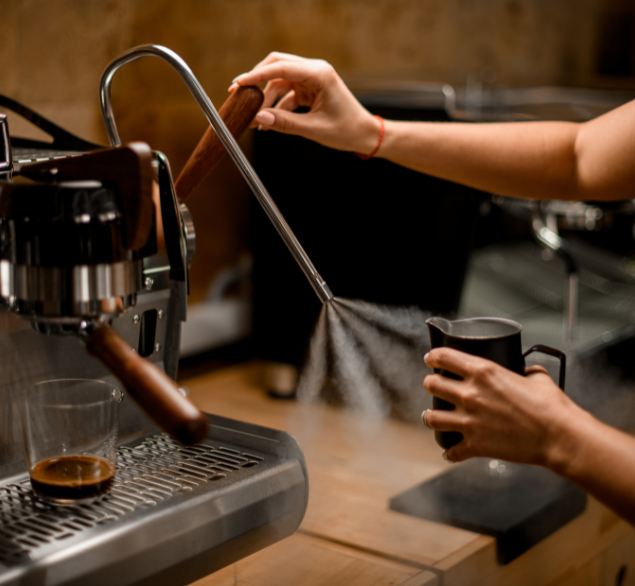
point(457, 453)
point(284, 121)
point(536, 371)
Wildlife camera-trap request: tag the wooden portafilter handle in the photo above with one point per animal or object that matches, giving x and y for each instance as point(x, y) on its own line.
point(237, 112)
point(155, 391)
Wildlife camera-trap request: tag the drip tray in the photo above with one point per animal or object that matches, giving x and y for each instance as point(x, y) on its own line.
point(176, 513)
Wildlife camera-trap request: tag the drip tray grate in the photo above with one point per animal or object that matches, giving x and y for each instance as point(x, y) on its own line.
point(155, 470)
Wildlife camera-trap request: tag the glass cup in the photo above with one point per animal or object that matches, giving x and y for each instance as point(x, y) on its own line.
point(70, 433)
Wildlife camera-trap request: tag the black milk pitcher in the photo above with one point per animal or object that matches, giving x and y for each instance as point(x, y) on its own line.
point(493, 338)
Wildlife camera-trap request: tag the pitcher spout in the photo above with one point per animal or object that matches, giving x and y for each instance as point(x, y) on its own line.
point(439, 323)
point(439, 328)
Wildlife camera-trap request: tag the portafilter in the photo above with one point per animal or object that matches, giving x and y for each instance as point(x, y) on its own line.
point(73, 236)
point(73, 240)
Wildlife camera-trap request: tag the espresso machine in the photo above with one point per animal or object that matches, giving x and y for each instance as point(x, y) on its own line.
point(94, 253)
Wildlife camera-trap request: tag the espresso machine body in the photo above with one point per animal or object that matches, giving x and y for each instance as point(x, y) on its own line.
point(175, 513)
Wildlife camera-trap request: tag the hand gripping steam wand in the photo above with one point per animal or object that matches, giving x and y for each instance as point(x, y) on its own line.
point(199, 164)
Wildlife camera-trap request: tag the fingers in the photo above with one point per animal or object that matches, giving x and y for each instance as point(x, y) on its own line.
point(275, 56)
point(458, 453)
point(289, 70)
point(289, 102)
point(465, 365)
point(265, 118)
point(286, 122)
point(536, 371)
point(271, 59)
point(440, 420)
point(275, 89)
point(443, 387)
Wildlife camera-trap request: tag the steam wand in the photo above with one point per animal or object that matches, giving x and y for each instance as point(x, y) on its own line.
point(317, 282)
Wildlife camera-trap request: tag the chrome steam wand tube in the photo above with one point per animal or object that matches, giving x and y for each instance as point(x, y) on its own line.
point(319, 285)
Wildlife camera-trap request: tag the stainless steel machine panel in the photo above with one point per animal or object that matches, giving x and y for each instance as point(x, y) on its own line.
point(175, 513)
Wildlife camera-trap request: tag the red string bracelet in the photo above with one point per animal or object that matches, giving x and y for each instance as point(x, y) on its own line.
point(381, 137)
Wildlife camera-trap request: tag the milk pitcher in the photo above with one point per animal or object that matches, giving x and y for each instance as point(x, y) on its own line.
point(492, 338)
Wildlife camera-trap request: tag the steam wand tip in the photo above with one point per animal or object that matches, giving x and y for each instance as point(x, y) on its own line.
point(323, 290)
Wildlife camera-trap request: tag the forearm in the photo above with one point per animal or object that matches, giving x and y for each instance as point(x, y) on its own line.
point(525, 159)
point(543, 160)
point(539, 160)
point(600, 459)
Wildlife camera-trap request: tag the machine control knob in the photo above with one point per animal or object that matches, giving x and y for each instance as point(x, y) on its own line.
point(189, 230)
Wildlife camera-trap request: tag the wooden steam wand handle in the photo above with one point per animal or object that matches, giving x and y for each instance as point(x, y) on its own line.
point(155, 391)
point(237, 112)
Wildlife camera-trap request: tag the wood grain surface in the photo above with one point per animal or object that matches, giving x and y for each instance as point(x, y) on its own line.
point(356, 465)
point(307, 561)
point(237, 112)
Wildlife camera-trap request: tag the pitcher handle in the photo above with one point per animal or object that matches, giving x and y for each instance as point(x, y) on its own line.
point(556, 354)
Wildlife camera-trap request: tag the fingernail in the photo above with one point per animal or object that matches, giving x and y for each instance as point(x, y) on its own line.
point(446, 457)
point(425, 358)
point(232, 87)
point(265, 118)
point(238, 77)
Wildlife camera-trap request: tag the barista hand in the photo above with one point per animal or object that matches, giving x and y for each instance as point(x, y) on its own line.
point(545, 160)
point(500, 413)
point(336, 119)
point(530, 420)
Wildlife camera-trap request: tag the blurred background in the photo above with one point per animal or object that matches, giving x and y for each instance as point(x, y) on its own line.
point(54, 52)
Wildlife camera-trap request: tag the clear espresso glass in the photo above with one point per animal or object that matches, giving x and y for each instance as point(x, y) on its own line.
point(70, 433)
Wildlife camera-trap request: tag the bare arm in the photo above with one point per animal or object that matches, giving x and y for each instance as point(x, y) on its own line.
point(500, 414)
point(531, 421)
point(545, 160)
point(542, 160)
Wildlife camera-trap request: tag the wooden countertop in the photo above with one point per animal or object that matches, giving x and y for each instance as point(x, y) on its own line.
point(350, 537)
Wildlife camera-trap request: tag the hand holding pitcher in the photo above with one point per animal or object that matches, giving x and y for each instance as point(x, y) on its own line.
point(486, 402)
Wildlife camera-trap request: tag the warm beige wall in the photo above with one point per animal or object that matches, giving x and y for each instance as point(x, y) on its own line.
point(53, 53)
